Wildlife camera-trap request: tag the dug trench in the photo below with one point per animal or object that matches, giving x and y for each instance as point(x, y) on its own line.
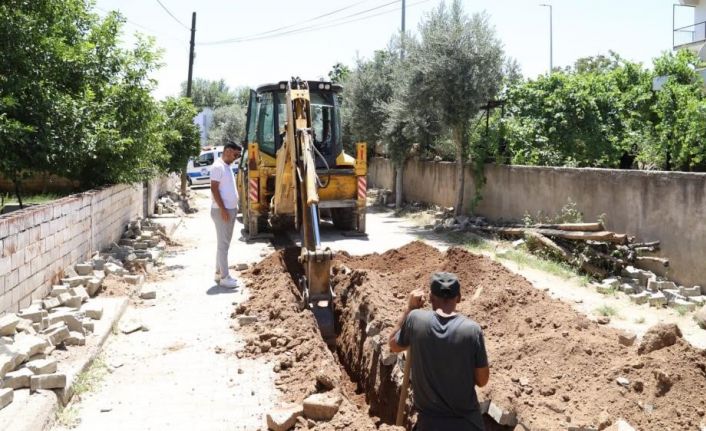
point(551, 367)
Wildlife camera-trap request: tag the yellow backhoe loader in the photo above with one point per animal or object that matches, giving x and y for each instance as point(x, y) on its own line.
point(295, 171)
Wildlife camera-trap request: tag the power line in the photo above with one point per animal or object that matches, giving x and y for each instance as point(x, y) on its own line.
point(148, 30)
point(320, 26)
point(172, 15)
point(258, 36)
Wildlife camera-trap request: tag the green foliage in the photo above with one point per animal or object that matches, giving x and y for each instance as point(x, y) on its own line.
point(339, 73)
point(181, 136)
point(214, 94)
point(228, 125)
point(606, 310)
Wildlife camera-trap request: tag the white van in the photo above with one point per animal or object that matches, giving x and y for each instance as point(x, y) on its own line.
point(198, 170)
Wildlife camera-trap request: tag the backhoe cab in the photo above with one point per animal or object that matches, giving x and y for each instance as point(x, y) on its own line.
point(295, 170)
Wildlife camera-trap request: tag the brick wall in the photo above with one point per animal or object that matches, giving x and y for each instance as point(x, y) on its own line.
point(37, 243)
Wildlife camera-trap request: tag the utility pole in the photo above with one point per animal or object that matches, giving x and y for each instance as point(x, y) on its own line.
point(551, 38)
point(188, 88)
point(191, 54)
point(400, 168)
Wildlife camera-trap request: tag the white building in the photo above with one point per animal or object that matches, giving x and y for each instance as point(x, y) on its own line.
point(204, 120)
point(689, 19)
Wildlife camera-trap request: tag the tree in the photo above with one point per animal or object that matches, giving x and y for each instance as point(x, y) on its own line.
point(339, 73)
point(181, 136)
point(228, 125)
point(210, 94)
point(456, 67)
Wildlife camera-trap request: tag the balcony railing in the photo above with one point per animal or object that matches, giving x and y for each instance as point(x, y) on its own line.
point(690, 34)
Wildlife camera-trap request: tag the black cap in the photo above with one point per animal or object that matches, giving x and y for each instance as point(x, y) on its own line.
point(445, 285)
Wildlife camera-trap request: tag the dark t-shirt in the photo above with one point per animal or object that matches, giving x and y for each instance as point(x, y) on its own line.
point(445, 353)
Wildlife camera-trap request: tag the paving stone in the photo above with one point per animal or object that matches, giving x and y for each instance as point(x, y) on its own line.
point(627, 339)
point(8, 324)
point(69, 318)
point(130, 326)
point(93, 310)
point(25, 325)
point(51, 303)
point(93, 286)
point(80, 292)
point(73, 281)
point(17, 379)
point(64, 297)
point(112, 268)
point(653, 285)
point(75, 339)
point(6, 397)
point(135, 280)
point(42, 366)
point(84, 269)
point(74, 302)
point(98, 263)
point(56, 335)
point(47, 381)
point(33, 314)
point(628, 288)
point(502, 416)
point(30, 345)
point(10, 358)
point(148, 292)
point(657, 299)
point(58, 289)
point(690, 291)
point(322, 407)
point(698, 300)
point(640, 298)
point(680, 303)
point(89, 326)
point(283, 418)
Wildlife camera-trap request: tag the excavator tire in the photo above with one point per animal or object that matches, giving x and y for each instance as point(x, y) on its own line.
point(344, 218)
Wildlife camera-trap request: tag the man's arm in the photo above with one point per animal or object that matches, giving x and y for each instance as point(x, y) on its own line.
point(219, 200)
point(482, 375)
point(414, 301)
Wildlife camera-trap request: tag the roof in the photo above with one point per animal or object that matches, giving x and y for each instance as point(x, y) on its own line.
point(313, 86)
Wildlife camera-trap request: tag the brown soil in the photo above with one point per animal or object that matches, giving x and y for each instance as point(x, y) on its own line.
point(552, 366)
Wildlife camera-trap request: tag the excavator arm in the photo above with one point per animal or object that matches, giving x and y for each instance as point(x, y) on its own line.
point(316, 260)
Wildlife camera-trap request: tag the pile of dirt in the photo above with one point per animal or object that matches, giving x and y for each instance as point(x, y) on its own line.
point(550, 366)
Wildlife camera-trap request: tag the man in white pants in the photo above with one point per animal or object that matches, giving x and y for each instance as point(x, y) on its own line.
point(224, 209)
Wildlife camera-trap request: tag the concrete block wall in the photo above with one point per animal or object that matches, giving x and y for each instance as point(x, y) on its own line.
point(665, 206)
point(39, 242)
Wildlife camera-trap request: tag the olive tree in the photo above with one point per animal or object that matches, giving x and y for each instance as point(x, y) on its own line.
point(456, 67)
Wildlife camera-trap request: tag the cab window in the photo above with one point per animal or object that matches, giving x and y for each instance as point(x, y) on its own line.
point(266, 124)
point(205, 159)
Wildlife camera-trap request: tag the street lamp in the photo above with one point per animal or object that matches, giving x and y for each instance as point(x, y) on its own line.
point(551, 37)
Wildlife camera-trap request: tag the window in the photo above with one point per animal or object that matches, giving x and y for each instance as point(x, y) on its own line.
point(205, 159)
point(253, 110)
point(266, 124)
point(324, 123)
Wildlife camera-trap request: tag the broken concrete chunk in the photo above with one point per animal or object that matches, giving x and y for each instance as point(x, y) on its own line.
point(241, 266)
point(640, 298)
point(690, 291)
point(42, 366)
point(8, 324)
point(84, 268)
point(322, 407)
point(627, 339)
point(6, 397)
point(657, 299)
point(135, 280)
point(73, 281)
point(75, 339)
point(93, 310)
point(246, 320)
point(612, 282)
point(10, 358)
point(33, 314)
point(653, 286)
point(283, 418)
point(58, 290)
point(30, 345)
point(112, 268)
point(80, 292)
point(700, 317)
point(502, 416)
point(47, 381)
point(73, 302)
point(628, 288)
point(98, 264)
point(89, 326)
point(682, 304)
point(69, 318)
point(56, 335)
point(93, 286)
point(148, 292)
point(17, 379)
point(51, 303)
point(130, 326)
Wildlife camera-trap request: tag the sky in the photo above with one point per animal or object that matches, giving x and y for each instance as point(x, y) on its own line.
point(638, 30)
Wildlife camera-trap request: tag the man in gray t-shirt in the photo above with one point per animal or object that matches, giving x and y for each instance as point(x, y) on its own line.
point(448, 358)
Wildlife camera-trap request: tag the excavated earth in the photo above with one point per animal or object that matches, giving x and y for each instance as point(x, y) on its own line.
point(551, 367)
